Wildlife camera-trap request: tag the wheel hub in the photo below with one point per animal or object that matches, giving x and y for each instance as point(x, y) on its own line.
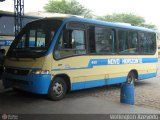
point(130, 80)
point(58, 89)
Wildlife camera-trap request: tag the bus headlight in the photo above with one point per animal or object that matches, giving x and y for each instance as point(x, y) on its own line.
point(40, 72)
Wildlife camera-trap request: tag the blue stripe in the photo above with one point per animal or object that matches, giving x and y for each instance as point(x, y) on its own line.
point(149, 60)
point(58, 69)
point(34, 83)
point(112, 61)
point(96, 83)
point(40, 83)
point(103, 82)
point(5, 42)
point(112, 81)
point(9, 42)
point(145, 76)
point(88, 84)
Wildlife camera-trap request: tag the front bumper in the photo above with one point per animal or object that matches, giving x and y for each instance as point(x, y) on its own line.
point(35, 83)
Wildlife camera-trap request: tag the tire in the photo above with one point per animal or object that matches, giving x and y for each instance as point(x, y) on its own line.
point(57, 89)
point(131, 78)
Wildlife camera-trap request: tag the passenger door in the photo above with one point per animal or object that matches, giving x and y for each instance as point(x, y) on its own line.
point(70, 54)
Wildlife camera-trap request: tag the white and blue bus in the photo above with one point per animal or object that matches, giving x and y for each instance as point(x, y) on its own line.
point(72, 53)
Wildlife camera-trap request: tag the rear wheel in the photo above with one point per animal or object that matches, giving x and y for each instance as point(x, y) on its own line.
point(131, 78)
point(57, 89)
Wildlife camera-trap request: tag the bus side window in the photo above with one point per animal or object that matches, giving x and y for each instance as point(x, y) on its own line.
point(101, 40)
point(152, 42)
point(133, 42)
point(71, 42)
point(91, 39)
point(147, 42)
point(123, 46)
point(104, 40)
point(143, 42)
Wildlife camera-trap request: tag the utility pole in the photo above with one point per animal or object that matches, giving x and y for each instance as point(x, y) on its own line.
point(18, 14)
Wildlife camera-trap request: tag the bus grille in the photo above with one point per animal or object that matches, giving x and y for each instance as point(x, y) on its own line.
point(19, 82)
point(17, 71)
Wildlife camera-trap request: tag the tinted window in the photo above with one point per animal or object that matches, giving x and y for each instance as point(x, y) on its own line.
point(91, 38)
point(101, 40)
point(151, 42)
point(123, 42)
point(34, 39)
point(133, 42)
point(147, 42)
point(143, 42)
point(71, 42)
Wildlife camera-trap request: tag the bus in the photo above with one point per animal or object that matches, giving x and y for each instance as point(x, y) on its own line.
point(158, 43)
point(7, 28)
point(7, 32)
point(56, 55)
point(5, 41)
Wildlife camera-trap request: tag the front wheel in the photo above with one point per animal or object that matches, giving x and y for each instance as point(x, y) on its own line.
point(57, 89)
point(131, 78)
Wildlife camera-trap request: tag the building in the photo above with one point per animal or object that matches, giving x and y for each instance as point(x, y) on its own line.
point(7, 27)
point(7, 22)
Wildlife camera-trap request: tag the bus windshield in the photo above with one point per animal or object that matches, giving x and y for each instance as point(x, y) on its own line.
point(34, 39)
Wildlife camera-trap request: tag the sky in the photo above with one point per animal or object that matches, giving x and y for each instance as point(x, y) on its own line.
point(149, 9)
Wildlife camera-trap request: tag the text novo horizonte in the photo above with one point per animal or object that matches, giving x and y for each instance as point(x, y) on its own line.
point(117, 61)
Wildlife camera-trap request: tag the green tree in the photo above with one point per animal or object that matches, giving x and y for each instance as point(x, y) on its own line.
point(67, 7)
point(150, 26)
point(127, 18)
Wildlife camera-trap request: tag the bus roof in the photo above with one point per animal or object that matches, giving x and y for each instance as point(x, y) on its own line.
point(99, 22)
point(10, 14)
